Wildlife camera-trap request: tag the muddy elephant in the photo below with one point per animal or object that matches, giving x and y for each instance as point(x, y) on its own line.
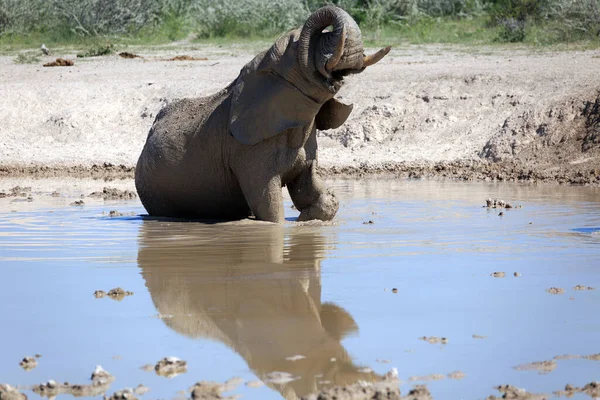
point(257, 290)
point(228, 156)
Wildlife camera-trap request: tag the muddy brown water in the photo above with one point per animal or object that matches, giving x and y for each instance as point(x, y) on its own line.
point(312, 301)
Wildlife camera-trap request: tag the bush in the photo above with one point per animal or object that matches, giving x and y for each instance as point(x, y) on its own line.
point(246, 17)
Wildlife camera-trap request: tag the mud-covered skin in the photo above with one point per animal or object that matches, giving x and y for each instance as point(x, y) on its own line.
point(228, 155)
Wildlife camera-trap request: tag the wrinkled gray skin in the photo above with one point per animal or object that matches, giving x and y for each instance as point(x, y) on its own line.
point(227, 156)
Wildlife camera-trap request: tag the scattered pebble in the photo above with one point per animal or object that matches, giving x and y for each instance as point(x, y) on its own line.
point(498, 274)
point(394, 290)
point(28, 363)
point(77, 203)
point(99, 294)
point(114, 213)
point(495, 203)
point(369, 222)
point(55, 194)
point(170, 367)
point(109, 193)
point(500, 214)
point(516, 274)
point(555, 290)
point(434, 339)
point(583, 287)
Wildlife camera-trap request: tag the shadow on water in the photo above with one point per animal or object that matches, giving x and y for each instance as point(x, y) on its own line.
point(257, 289)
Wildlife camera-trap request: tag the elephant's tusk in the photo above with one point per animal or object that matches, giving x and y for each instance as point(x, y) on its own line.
point(375, 58)
point(339, 50)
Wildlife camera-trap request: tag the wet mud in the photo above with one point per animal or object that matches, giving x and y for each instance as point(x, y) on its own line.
point(110, 193)
point(101, 381)
point(543, 367)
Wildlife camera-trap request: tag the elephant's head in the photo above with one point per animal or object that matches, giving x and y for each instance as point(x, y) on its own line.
point(256, 290)
point(293, 83)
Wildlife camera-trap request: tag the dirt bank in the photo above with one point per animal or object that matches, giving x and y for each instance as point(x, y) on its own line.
point(463, 113)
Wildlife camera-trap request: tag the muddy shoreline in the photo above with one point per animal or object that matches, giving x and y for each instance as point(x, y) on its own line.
point(579, 174)
point(488, 114)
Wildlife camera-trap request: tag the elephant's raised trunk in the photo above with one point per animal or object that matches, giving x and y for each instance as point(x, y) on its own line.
point(331, 46)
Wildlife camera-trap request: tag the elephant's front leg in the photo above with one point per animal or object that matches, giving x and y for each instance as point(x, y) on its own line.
point(263, 195)
point(311, 197)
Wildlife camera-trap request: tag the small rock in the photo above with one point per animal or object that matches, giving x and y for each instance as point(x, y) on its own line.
point(99, 294)
point(77, 203)
point(498, 274)
point(125, 394)
point(28, 363)
point(101, 375)
point(555, 290)
point(119, 294)
point(434, 339)
point(516, 274)
point(369, 222)
point(114, 213)
point(170, 367)
point(394, 290)
point(583, 287)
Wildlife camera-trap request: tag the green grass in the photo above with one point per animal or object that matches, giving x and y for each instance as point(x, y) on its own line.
point(470, 31)
point(27, 58)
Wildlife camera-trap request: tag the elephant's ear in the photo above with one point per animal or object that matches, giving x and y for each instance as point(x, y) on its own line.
point(332, 114)
point(264, 105)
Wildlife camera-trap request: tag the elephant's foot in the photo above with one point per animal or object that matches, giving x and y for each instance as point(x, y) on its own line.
point(324, 208)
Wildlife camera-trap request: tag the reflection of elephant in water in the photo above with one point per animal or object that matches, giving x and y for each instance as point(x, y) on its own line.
point(247, 288)
point(230, 154)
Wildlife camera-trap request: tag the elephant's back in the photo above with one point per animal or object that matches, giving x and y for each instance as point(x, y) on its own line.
point(181, 169)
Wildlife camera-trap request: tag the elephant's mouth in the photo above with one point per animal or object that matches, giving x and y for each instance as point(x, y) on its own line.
point(338, 75)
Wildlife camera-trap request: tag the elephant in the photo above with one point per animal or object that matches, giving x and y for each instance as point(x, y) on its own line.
point(228, 156)
point(257, 290)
